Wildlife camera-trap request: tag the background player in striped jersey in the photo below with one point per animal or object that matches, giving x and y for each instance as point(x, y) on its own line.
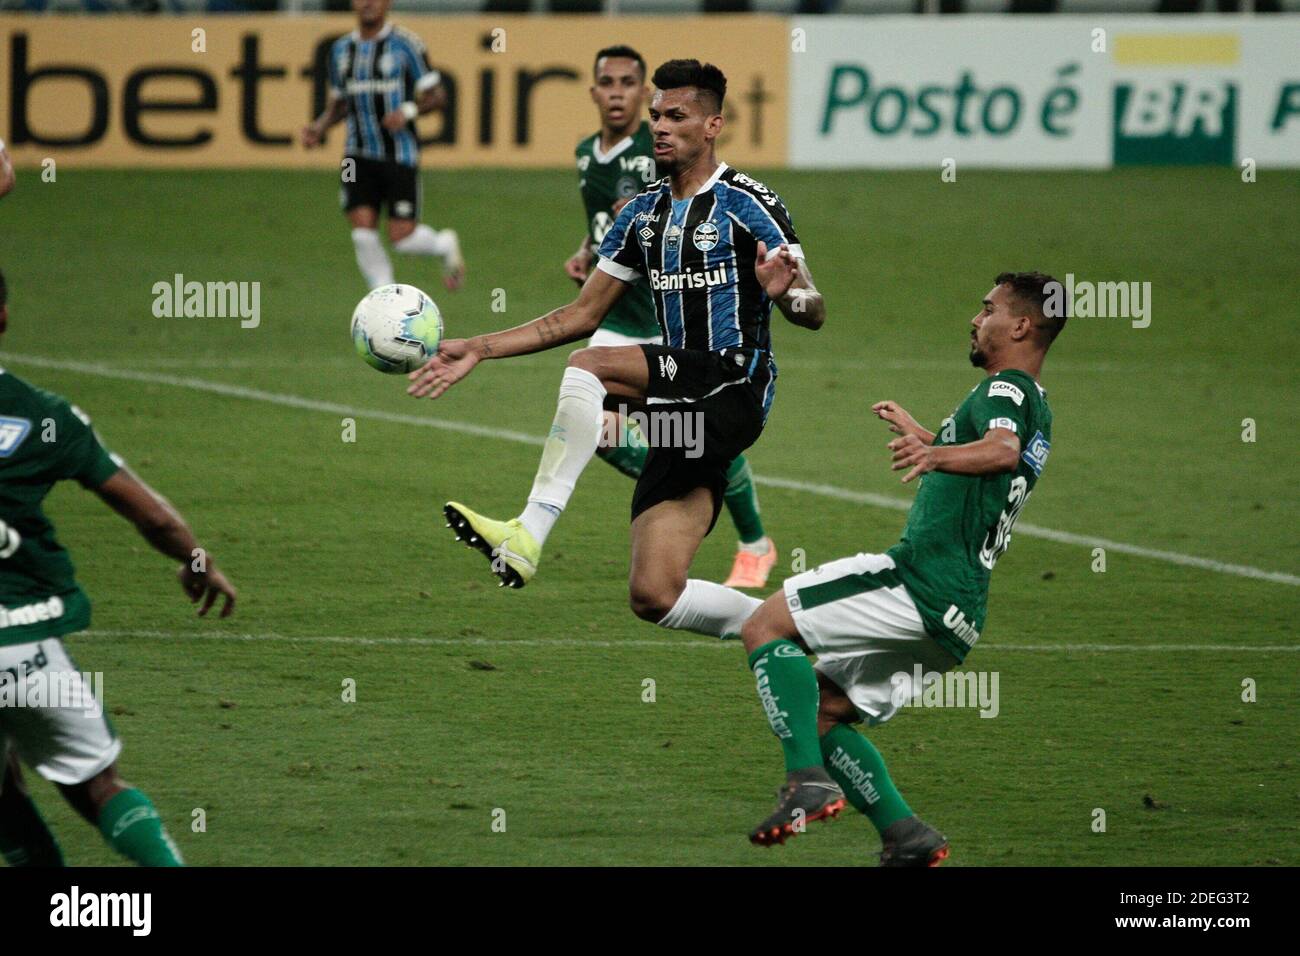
point(380, 80)
point(614, 165)
point(872, 619)
point(44, 440)
point(718, 250)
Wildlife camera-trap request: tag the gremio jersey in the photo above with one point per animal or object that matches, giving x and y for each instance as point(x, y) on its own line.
point(604, 179)
point(376, 76)
point(697, 256)
point(960, 525)
point(43, 440)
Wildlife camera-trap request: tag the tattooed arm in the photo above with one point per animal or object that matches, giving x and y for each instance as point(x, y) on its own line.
point(456, 358)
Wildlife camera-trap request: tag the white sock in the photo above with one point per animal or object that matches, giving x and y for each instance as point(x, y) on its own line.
point(538, 519)
point(708, 608)
point(759, 547)
point(424, 241)
point(568, 448)
point(372, 258)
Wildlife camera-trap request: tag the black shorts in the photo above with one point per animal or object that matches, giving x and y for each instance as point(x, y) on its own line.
point(712, 411)
point(383, 186)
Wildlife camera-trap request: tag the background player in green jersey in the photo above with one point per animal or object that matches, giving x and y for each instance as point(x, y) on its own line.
point(44, 440)
point(873, 618)
point(614, 165)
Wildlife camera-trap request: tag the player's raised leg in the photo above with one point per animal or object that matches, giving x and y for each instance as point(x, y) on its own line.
point(413, 238)
point(787, 690)
point(515, 546)
point(665, 538)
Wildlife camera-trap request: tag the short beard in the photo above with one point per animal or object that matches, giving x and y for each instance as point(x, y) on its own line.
point(978, 357)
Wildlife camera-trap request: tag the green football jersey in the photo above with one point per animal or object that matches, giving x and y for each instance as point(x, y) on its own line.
point(43, 440)
point(959, 525)
point(604, 179)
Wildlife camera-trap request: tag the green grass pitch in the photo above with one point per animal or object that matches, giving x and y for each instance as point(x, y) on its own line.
point(346, 571)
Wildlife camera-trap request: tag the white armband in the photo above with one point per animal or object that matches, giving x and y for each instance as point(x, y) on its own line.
point(409, 110)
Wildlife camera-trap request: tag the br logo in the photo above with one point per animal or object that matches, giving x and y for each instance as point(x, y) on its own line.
point(706, 236)
point(1171, 122)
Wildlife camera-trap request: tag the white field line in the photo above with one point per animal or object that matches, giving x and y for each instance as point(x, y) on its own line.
point(665, 643)
point(483, 431)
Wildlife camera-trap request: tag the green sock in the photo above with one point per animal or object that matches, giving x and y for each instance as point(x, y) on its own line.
point(25, 840)
point(742, 501)
point(787, 688)
point(860, 771)
point(629, 455)
point(133, 828)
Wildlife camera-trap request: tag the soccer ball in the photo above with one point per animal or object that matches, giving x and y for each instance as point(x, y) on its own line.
point(396, 328)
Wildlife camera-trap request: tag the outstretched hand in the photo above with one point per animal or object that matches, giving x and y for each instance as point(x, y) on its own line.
point(910, 452)
point(776, 274)
point(898, 419)
point(208, 586)
point(455, 360)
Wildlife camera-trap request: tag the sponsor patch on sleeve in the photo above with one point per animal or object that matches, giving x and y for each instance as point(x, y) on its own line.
point(1007, 390)
point(12, 433)
point(1035, 453)
point(1007, 423)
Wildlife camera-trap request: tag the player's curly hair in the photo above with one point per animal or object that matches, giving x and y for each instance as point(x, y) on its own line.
point(709, 82)
point(1041, 293)
point(621, 51)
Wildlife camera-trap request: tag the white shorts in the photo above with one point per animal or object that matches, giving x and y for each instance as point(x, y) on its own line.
point(605, 338)
point(861, 623)
point(62, 734)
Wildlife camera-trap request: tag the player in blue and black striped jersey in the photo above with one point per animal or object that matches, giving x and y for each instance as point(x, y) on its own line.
point(718, 250)
point(380, 80)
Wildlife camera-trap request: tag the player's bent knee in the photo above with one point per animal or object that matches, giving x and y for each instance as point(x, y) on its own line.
point(827, 722)
point(753, 634)
point(647, 607)
point(363, 217)
point(761, 628)
point(833, 706)
point(90, 796)
point(651, 601)
point(399, 229)
point(587, 359)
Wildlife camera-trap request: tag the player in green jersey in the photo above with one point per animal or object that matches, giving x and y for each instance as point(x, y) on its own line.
point(50, 714)
point(872, 619)
point(614, 165)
